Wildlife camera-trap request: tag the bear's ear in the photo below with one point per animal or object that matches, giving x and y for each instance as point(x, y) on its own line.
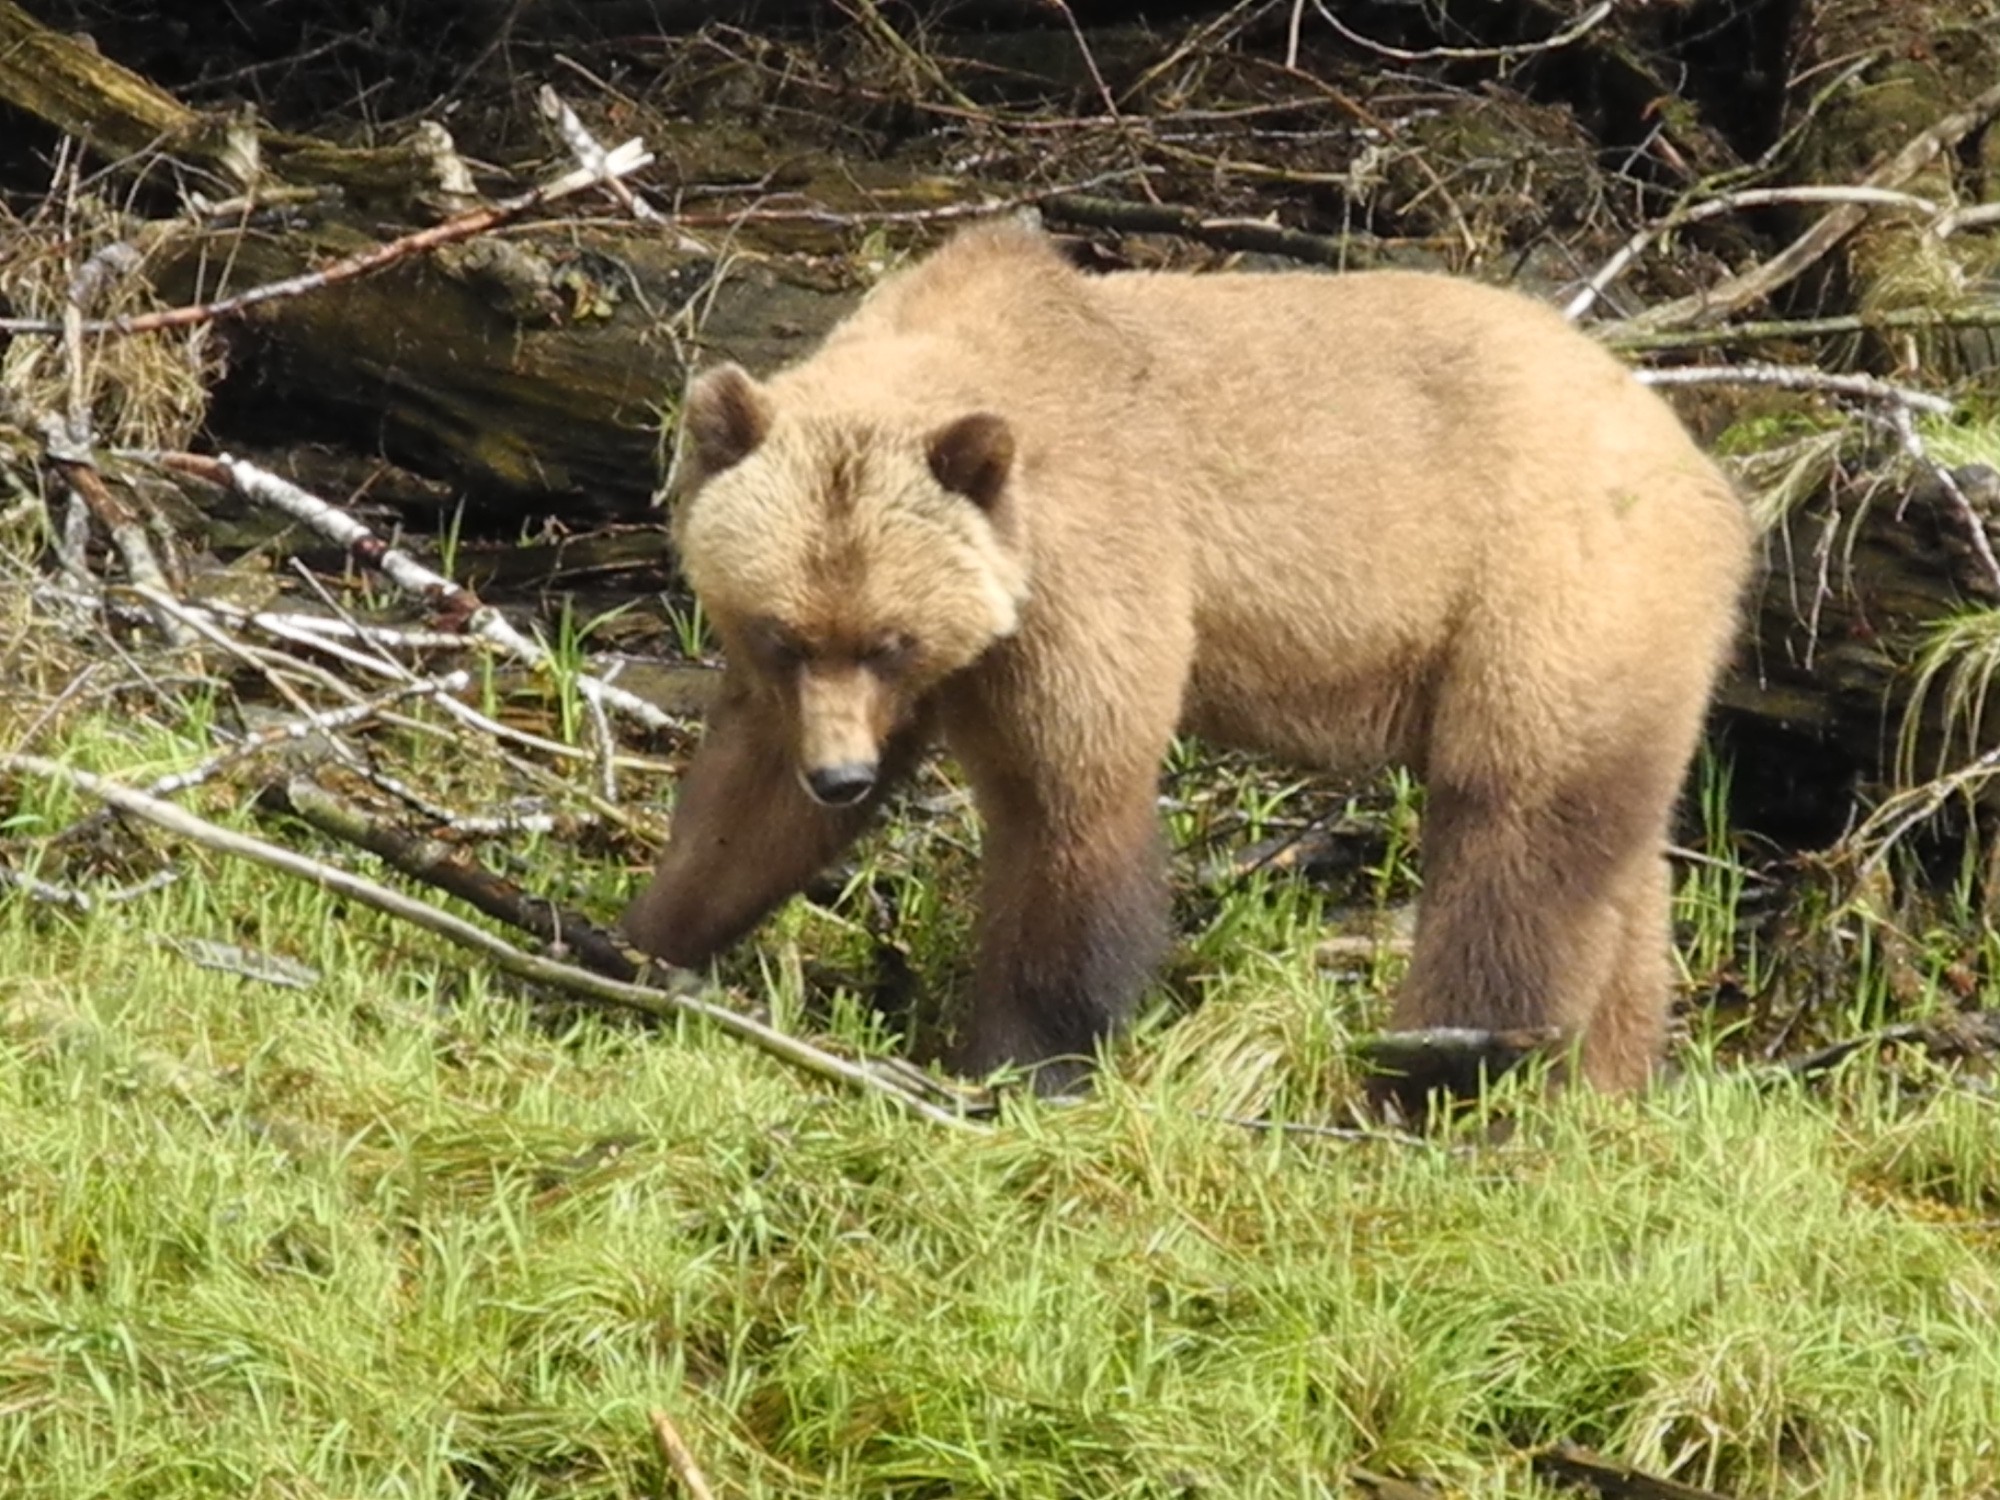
point(727, 416)
point(973, 457)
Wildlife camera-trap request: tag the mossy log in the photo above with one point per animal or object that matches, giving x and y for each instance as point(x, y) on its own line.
point(539, 379)
point(1925, 59)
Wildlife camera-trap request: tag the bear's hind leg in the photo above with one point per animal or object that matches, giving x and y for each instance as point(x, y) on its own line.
point(1627, 1033)
point(1526, 909)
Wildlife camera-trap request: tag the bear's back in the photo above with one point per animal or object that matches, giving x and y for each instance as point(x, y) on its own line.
point(1354, 398)
point(1386, 469)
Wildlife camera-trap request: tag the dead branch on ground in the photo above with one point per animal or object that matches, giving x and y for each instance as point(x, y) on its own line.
point(682, 995)
point(616, 164)
point(454, 872)
point(1580, 1468)
point(452, 603)
point(679, 1457)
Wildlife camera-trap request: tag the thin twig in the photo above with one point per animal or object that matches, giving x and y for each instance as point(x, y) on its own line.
point(771, 210)
point(305, 629)
point(606, 744)
point(292, 630)
point(1887, 320)
point(1118, 125)
point(120, 522)
point(77, 899)
point(1974, 1032)
point(1359, 1135)
point(592, 155)
point(1224, 233)
point(919, 62)
point(589, 151)
point(276, 668)
point(1897, 815)
point(679, 997)
point(1968, 517)
point(323, 721)
point(1575, 31)
point(1385, 132)
point(320, 721)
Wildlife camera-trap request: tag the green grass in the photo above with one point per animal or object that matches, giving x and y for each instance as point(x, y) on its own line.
point(405, 1233)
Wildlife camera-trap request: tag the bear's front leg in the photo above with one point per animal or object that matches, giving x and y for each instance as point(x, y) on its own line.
point(745, 833)
point(1073, 924)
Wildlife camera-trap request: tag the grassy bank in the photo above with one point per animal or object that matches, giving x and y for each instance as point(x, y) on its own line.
point(398, 1232)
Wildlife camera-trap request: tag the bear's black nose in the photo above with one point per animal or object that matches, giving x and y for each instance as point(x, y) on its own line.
point(841, 786)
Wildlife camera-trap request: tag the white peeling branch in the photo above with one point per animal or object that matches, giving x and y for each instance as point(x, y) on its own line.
point(1575, 31)
point(1712, 208)
point(1713, 304)
point(1968, 516)
point(1800, 378)
point(405, 571)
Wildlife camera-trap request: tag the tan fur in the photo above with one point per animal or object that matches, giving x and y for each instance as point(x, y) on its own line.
point(1342, 519)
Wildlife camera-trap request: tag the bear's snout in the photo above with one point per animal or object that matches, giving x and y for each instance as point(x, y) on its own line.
point(845, 713)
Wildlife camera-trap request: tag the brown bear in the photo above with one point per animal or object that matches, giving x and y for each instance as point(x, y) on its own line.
point(1344, 519)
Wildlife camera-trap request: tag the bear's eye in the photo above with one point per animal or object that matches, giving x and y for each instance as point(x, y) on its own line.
point(889, 653)
point(777, 648)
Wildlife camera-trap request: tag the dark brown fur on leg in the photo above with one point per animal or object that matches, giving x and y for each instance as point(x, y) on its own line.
point(1628, 1031)
point(1073, 921)
point(1527, 914)
point(745, 834)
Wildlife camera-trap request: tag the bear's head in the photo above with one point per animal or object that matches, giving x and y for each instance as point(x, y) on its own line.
point(849, 564)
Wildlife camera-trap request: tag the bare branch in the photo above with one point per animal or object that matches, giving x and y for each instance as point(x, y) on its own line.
point(75, 897)
point(1739, 291)
point(1680, 218)
point(679, 997)
point(453, 871)
point(1622, 336)
point(1800, 378)
point(1898, 814)
point(621, 162)
point(679, 1457)
point(323, 721)
point(1582, 26)
point(456, 604)
point(1225, 233)
point(1975, 529)
point(592, 156)
point(120, 522)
